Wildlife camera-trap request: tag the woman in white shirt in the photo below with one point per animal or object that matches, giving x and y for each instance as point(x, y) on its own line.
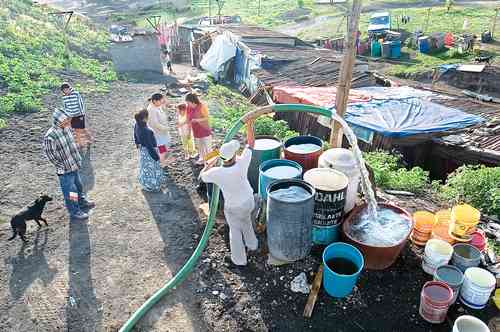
point(158, 122)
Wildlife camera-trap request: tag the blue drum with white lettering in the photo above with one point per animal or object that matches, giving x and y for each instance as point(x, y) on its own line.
point(329, 201)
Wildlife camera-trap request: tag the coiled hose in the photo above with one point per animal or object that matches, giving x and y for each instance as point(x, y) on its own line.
point(214, 202)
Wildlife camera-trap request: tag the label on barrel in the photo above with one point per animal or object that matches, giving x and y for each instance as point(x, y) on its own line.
point(329, 207)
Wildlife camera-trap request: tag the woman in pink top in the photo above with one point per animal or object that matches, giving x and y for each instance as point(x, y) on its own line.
point(197, 114)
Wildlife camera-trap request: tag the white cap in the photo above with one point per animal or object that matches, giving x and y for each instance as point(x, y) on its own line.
point(228, 150)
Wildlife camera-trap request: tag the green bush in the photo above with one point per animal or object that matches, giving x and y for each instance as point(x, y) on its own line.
point(231, 106)
point(478, 186)
point(390, 175)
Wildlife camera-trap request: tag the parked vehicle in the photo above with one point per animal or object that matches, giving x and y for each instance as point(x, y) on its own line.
point(379, 22)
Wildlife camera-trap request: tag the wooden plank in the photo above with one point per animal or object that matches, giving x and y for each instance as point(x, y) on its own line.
point(313, 295)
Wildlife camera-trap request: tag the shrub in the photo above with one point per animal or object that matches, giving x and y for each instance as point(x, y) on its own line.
point(478, 186)
point(390, 175)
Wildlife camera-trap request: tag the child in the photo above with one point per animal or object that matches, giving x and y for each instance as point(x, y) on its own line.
point(185, 131)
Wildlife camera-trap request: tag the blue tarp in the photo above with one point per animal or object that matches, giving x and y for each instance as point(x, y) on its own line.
point(406, 117)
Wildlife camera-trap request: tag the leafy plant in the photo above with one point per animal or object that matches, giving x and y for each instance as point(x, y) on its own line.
point(390, 175)
point(478, 186)
point(227, 106)
point(33, 53)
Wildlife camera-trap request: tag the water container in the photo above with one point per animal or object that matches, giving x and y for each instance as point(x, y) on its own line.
point(437, 253)
point(464, 219)
point(307, 158)
point(386, 49)
point(441, 226)
point(289, 223)
point(424, 44)
point(341, 285)
point(452, 276)
point(478, 240)
point(435, 300)
point(424, 221)
point(396, 49)
point(376, 49)
point(477, 287)
point(264, 150)
point(465, 256)
point(265, 178)
point(329, 202)
point(343, 161)
point(467, 323)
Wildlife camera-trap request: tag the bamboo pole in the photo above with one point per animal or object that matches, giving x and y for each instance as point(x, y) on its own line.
point(344, 84)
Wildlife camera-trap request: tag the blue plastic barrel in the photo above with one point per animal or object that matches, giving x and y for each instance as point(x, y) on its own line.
point(289, 220)
point(341, 285)
point(376, 49)
point(396, 49)
point(424, 44)
point(266, 177)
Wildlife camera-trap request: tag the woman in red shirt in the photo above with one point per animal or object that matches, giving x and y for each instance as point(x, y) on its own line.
point(197, 114)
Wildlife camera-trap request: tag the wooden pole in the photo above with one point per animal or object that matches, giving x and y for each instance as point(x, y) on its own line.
point(494, 23)
point(344, 84)
point(313, 295)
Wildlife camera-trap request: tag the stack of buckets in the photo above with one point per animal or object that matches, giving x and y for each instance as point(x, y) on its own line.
point(462, 278)
point(424, 221)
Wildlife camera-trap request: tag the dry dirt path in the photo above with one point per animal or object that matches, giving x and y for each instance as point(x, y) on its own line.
point(90, 276)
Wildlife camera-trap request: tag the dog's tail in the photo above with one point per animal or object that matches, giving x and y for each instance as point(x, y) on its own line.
point(14, 234)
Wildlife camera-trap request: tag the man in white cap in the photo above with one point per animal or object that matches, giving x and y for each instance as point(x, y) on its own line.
point(239, 202)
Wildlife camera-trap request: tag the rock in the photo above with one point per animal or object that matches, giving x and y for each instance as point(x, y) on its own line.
point(223, 296)
point(299, 284)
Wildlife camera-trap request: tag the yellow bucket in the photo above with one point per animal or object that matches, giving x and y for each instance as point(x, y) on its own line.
point(464, 219)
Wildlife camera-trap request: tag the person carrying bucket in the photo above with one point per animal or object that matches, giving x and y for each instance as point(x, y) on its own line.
point(239, 202)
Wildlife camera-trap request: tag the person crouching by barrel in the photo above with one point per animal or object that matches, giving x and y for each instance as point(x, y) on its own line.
point(239, 202)
point(74, 107)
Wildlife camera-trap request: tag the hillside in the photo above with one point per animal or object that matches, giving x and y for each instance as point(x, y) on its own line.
point(33, 58)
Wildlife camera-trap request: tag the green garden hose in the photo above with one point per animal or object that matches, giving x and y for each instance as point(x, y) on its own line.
point(214, 202)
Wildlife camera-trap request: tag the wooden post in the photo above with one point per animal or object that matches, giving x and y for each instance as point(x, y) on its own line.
point(344, 84)
point(494, 23)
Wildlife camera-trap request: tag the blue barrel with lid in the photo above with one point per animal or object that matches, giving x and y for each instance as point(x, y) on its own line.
point(424, 44)
point(396, 49)
point(376, 49)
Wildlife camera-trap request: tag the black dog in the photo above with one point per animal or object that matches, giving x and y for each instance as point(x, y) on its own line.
point(31, 212)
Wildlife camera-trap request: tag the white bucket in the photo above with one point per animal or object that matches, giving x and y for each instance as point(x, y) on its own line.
point(437, 253)
point(468, 323)
point(343, 160)
point(477, 287)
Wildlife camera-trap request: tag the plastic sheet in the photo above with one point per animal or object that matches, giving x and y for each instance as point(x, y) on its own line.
point(406, 117)
point(221, 51)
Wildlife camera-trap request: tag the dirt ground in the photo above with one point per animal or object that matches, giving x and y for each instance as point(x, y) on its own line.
point(90, 276)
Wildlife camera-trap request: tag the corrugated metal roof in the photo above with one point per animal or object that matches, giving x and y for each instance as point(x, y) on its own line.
point(481, 137)
point(313, 69)
point(250, 31)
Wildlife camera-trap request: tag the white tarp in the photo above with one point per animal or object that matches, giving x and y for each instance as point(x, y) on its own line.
point(218, 54)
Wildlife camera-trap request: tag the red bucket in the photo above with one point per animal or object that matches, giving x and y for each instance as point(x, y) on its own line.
point(435, 300)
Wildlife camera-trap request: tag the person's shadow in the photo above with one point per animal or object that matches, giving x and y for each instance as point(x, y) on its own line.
point(83, 312)
point(30, 266)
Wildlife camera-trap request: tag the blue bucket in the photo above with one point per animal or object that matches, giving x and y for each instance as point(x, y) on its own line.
point(341, 285)
point(265, 180)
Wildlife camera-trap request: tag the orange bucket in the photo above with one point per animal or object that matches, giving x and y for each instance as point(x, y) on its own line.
point(441, 226)
point(424, 221)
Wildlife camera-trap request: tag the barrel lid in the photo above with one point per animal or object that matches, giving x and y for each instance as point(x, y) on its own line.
point(326, 179)
point(340, 157)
